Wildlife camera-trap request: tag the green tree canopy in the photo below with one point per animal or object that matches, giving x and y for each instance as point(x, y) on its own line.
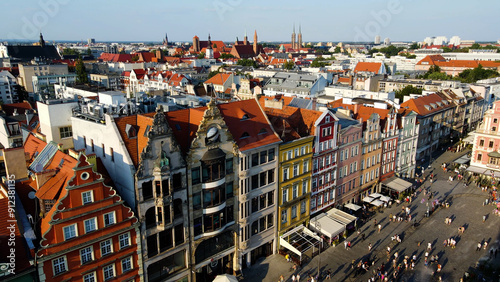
point(288, 65)
point(387, 51)
point(247, 63)
point(337, 50)
point(69, 51)
point(435, 73)
point(226, 56)
point(318, 63)
point(409, 89)
point(81, 72)
point(201, 55)
point(475, 74)
point(414, 46)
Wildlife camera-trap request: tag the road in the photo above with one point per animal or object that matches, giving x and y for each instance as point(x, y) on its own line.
point(466, 210)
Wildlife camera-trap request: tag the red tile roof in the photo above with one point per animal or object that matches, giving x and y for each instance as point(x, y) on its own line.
point(108, 57)
point(21, 252)
point(218, 79)
point(256, 126)
point(19, 107)
point(419, 104)
point(368, 67)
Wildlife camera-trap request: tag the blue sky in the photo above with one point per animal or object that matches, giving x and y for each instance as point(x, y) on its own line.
point(321, 20)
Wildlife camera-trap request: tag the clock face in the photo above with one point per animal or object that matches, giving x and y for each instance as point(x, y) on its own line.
point(212, 133)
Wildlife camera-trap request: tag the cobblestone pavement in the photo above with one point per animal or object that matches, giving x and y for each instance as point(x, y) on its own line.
point(466, 209)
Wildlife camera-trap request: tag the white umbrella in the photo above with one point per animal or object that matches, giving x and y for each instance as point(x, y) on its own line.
point(225, 278)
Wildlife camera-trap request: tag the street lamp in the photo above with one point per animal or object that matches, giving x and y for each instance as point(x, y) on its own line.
point(317, 225)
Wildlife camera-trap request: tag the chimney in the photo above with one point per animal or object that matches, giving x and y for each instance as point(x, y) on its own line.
point(29, 116)
point(15, 162)
point(42, 177)
point(15, 113)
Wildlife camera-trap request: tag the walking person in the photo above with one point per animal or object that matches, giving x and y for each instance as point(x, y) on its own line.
point(379, 228)
point(293, 278)
point(478, 246)
point(297, 278)
point(370, 247)
point(345, 244)
point(429, 246)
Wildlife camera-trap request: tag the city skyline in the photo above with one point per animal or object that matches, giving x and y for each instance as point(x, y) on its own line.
point(225, 20)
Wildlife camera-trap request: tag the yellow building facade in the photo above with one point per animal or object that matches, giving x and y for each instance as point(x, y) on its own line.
point(295, 172)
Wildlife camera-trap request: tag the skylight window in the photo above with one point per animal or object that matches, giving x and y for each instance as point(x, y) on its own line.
point(263, 131)
point(245, 135)
point(245, 117)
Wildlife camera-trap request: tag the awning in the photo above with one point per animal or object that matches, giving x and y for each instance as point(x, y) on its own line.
point(341, 216)
point(353, 207)
point(377, 203)
point(367, 199)
point(299, 240)
point(397, 184)
point(476, 169)
point(462, 160)
point(385, 199)
point(470, 138)
point(375, 195)
point(494, 154)
point(326, 225)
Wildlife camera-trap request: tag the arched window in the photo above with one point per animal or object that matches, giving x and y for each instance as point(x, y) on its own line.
point(150, 218)
point(164, 159)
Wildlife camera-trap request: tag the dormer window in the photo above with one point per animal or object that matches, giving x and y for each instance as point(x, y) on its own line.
point(244, 135)
point(245, 117)
point(131, 131)
point(263, 131)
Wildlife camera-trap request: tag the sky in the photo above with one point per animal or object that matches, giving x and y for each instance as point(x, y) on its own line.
point(320, 20)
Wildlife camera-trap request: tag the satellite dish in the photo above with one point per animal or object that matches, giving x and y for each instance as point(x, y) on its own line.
point(31, 195)
point(38, 167)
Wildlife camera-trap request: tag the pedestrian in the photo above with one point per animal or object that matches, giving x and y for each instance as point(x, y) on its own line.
point(348, 245)
point(328, 274)
point(484, 218)
point(287, 257)
point(293, 278)
point(375, 223)
point(429, 246)
point(345, 244)
point(369, 246)
point(379, 228)
point(282, 278)
point(478, 246)
point(363, 236)
point(297, 278)
point(485, 245)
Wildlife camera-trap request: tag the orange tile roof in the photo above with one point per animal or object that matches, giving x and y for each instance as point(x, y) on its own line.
point(418, 104)
point(136, 144)
point(368, 67)
point(184, 125)
point(467, 64)
point(218, 79)
point(431, 60)
point(233, 113)
point(21, 253)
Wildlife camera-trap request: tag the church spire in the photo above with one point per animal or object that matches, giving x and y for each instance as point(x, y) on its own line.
point(209, 43)
point(245, 39)
point(42, 42)
point(255, 46)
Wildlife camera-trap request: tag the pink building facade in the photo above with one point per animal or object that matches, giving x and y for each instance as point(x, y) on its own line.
point(485, 153)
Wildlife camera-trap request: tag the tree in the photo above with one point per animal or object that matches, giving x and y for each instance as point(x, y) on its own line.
point(247, 63)
point(446, 49)
point(435, 73)
point(318, 63)
point(22, 94)
point(414, 46)
point(288, 65)
point(337, 50)
point(475, 74)
point(226, 56)
point(201, 55)
point(81, 72)
point(69, 51)
point(475, 46)
point(409, 89)
point(89, 52)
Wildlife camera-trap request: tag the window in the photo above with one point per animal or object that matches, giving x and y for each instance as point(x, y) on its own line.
point(479, 157)
point(108, 271)
point(284, 216)
point(303, 150)
point(495, 120)
point(109, 219)
point(106, 247)
point(296, 152)
point(295, 170)
point(305, 167)
point(65, 132)
point(270, 221)
point(126, 264)
point(295, 191)
point(285, 174)
point(87, 197)
point(491, 144)
point(69, 231)
point(195, 175)
point(86, 254)
point(59, 265)
point(90, 225)
point(124, 240)
point(270, 198)
point(289, 155)
point(285, 195)
point(89, 277)
point(294, 211)
point(494, 128)
point(255, 159)
point(303, 207)
point(270, 155)
point(112, 154)
point(304, 187)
